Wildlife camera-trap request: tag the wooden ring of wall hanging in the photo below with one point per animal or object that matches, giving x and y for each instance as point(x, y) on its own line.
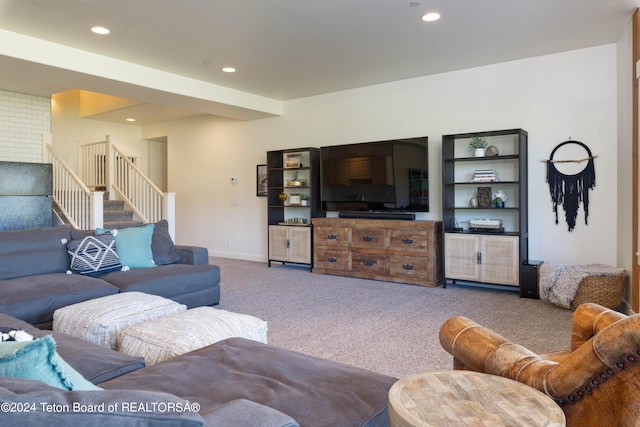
point(570, 190)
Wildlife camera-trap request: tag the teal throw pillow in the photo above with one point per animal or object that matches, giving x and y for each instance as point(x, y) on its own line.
point(133, 245)
point(38, 360)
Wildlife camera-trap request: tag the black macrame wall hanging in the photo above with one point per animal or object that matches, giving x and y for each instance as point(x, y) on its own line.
point(570, 190)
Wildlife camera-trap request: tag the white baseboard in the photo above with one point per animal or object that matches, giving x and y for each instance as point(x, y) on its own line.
point(237, 255)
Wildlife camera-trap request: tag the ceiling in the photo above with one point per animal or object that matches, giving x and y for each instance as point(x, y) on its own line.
point(289, 49)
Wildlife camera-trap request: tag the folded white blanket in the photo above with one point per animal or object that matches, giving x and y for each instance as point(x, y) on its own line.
point(559, 282)
point(9, 334)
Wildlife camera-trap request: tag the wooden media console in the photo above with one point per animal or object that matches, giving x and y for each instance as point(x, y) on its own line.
point(390, 250)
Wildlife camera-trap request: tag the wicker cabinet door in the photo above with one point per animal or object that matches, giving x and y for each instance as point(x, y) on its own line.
point(290, 244)
point(300, 245)
point(278, 243)
point(461, 256)
point(500, 260)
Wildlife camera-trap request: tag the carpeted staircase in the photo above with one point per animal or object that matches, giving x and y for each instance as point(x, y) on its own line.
point(116, 216)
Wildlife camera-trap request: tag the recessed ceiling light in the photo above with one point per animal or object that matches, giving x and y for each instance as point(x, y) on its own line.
point(431, 16)
point(131, 120)
point(229, 70)
point(100, 30)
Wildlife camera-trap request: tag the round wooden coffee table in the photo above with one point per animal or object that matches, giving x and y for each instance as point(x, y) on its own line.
point(466, 398)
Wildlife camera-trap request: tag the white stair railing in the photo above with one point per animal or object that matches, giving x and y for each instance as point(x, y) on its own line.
point(81, 207)
point(92, 159)
point(105, 165)
point(138, 192)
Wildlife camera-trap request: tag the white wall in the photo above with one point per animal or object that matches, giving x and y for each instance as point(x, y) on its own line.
point(554, 98)
point(24, 119)
point(68, 129)
point(157, 163)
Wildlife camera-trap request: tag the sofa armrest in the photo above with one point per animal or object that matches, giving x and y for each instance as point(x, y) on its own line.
point(194, 255)
point(588, 320)
point(246, 412)
point(477, 348)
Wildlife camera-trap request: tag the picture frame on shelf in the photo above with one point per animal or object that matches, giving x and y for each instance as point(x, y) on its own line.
point(484, 197)
point(295, 200)
point(292, 161)
point(261, 180)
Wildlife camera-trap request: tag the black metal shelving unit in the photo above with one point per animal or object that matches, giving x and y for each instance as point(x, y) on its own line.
point(458, 168)
point(279, 212)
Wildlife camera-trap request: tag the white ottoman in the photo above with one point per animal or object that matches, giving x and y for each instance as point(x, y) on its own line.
point(101, 320)
point(164, 338)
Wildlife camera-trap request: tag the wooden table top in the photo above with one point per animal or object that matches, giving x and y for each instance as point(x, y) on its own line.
point(466, 398)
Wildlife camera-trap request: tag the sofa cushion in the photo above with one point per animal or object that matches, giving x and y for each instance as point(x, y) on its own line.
point(35, 298)
point(29, 252)
point(170, 281)
point(133, 245)
point(121, 408)
point(164, 251)
point(313, 391)
point(162, 246)
point(243, 412)
point(94, 255)
point(95, 363)
point(38, 360)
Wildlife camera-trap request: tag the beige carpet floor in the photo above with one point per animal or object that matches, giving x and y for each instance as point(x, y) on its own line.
point(386, 327)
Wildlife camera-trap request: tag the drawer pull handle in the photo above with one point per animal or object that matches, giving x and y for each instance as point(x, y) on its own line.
point(367, 238)
point(368, 263)
point(332, 237)
point(332, 259)
point(407, 241)
point(407, 266)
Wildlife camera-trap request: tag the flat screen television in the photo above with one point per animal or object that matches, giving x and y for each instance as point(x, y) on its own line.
point(381, 176)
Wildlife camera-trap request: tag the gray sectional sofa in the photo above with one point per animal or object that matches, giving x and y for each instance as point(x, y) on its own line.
point(235, 382)
point(36, 277)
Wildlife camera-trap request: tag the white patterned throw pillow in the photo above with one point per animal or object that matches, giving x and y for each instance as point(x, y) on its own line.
point(94, 255)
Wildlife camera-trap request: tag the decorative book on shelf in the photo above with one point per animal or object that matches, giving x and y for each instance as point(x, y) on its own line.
point(485, 175)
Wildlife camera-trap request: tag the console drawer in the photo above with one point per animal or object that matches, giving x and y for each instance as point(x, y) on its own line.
point(368, 238)
point(369, 263)
point(332, 259)
point(410, 266)
point(409, 240)
point(331, 236)
point(390, 250)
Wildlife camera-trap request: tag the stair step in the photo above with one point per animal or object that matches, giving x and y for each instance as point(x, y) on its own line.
point(117, 216)
point(113, 205)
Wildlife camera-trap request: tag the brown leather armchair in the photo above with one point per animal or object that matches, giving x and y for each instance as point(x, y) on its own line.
point(596, 381)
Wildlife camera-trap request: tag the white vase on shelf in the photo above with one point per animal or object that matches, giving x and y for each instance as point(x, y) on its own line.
point(478, 152)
